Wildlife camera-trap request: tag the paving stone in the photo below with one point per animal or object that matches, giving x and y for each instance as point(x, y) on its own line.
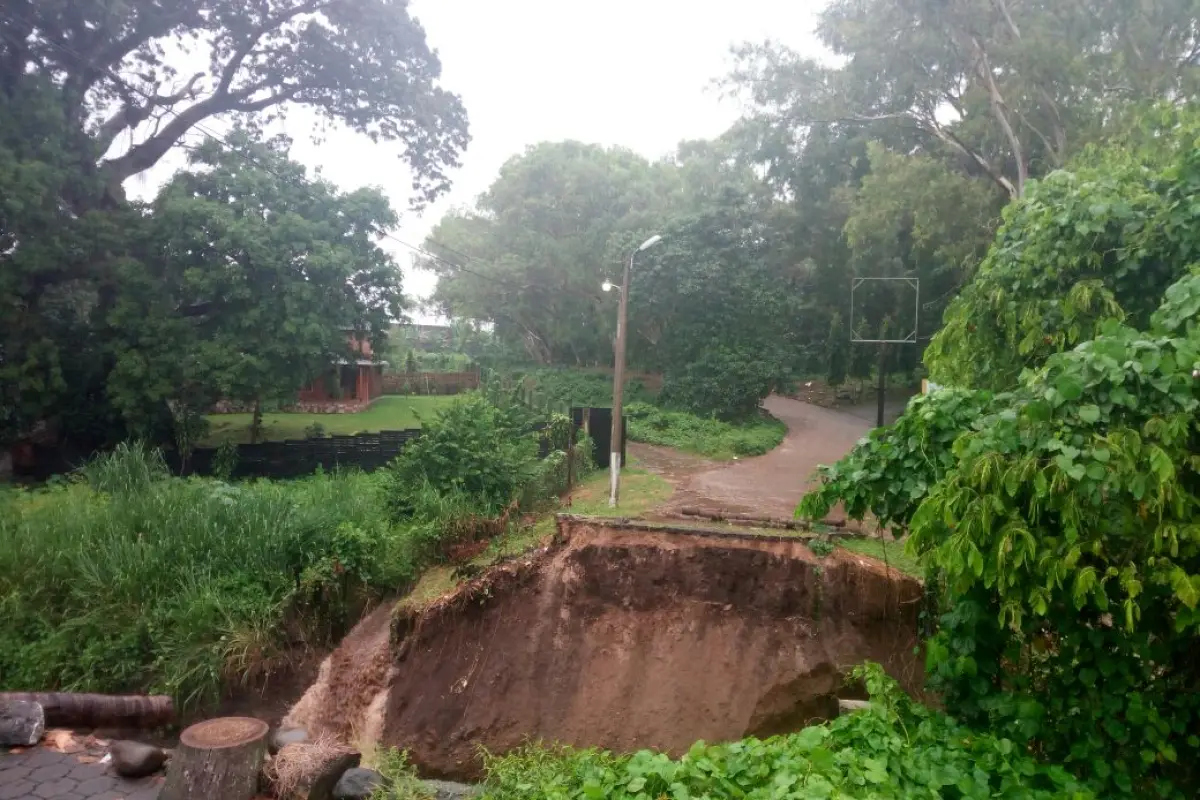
point(50, 772)
point(56, 788)
point(41, 757)
point(84, 772)
point(97, 785)
point(19, 790)
point(14, 772)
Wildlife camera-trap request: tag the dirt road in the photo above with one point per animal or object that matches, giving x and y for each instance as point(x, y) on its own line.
point(770, 485)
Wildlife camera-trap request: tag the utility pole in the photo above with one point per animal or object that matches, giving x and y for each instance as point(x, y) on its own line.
point(615, 449)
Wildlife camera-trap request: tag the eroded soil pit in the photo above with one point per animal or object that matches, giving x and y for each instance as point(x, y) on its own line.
point(621, 636)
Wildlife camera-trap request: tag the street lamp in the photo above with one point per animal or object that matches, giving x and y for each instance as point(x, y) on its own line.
point(614, 462)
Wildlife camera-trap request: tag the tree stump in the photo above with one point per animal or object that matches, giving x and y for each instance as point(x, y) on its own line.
point(218, 758)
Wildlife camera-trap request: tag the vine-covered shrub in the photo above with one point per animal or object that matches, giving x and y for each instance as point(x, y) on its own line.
point(889, 473)
point(895, 749)
point(1068, 533)
point(726, 382)
point(1080, 249)
point(476, 449)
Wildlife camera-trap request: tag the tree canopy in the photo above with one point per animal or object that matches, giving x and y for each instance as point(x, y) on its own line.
point(94, 289)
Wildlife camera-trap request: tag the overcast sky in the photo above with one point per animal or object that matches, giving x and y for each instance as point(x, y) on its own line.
point(636, 73)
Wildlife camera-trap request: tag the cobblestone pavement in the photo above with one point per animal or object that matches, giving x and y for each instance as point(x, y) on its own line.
point(41, 773)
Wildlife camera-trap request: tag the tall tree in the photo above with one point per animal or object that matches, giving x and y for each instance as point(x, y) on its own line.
point(554, 225)
point(120, 75)
point(275, 271)
point(1011, 89)
point(96, 91)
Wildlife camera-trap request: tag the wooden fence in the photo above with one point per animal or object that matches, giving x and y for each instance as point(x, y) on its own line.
point(430, 382)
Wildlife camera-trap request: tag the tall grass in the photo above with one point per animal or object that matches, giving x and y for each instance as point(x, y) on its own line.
point(127, 579)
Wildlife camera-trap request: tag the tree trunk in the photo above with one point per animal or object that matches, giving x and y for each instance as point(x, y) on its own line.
point(70, 710)
point(218, 758)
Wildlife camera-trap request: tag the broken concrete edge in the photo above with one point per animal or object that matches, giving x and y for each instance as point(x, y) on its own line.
point(642, 526)
point(512, 571)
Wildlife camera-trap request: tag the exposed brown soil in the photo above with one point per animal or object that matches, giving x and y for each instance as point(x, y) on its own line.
point(620, 636)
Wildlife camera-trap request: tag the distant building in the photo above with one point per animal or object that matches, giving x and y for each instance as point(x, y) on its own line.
point(429, 336)
point(349, 383)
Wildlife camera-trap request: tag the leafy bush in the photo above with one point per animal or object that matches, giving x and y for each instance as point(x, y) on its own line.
point(1081, 248)
point(724, 382)
point(1068, 536)
point(125, 579)
point(895, 749)
point(706, 436)
point(889, 472)
point(573, 387)
point(472, 448)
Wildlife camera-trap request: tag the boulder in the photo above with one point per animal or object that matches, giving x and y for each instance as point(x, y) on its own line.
point(850, 706)
point(357, 784)
point(285, 736)
point(447, 790)
point(136, 760)
point(22, 723)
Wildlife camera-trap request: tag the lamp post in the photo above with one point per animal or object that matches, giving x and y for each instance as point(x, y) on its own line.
point(614, 463)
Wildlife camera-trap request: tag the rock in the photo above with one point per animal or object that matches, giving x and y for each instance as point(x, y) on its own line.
point(285, 736)
point(850, 706)
point(357, 784)
point(136, 760)
point(21, 723)
point(330, 777)
point(446, 790)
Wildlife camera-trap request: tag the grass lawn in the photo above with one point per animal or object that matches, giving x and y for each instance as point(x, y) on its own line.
point(640, 492)
point(388, 413)
point(881, 550)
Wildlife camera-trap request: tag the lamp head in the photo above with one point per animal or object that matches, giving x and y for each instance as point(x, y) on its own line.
point(653, 240)
point(607, 286)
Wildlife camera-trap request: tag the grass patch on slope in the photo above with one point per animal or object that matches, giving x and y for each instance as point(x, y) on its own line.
point(890, 552)
point(641, 491)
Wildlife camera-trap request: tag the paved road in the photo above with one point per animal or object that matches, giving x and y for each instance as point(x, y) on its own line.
point(41, 773)
point(769, 485)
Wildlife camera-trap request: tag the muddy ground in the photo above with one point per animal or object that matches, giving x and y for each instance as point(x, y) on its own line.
point(621, 637)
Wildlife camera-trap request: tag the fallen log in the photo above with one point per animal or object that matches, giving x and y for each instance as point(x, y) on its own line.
point(71, 710)
point(218, 758)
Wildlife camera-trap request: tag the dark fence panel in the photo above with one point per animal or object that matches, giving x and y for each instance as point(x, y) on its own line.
point(296, 458)
point(599, 427)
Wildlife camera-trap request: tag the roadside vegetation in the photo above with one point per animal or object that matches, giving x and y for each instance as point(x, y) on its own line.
point(895, 749)
point(1054, 509)
point(123, 578)
point(652, 421)
point(706, 436)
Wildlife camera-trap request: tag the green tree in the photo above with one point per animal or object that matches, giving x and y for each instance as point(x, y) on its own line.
point(76, 81)
point(363, 64)
point(1084, 247)
point(1011, 90)
point(272, 271)
point(540, 242)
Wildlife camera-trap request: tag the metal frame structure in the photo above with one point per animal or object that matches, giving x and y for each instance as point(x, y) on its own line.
point(915, 283)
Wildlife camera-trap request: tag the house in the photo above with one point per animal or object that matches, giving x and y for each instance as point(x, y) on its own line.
point(349, 385)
